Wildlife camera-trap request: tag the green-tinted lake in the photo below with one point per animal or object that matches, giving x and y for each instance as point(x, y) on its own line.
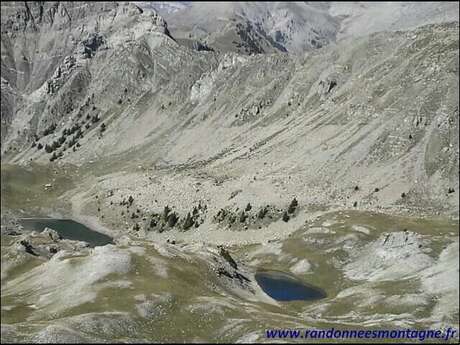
point(68, 229)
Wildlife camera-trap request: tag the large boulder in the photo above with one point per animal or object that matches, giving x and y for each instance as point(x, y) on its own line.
point(52, 234)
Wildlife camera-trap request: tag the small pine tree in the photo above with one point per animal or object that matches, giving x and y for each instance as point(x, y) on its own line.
point(54, 145)
point(166, 212)
point(172, 219)
point(188, 221)
point(72, 142)
point(48, 148)
point(243, 217)
point(53, 157)
point(285, 217)
point(49, 130)
point(248, 207)
point(263, 211)
point(293, 206)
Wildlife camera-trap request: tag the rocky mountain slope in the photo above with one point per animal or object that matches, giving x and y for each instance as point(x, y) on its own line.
point(107, 83)
point(175, 146)
point(255, 27)
point(294, 27)
point(164, 7)
point(363, 18)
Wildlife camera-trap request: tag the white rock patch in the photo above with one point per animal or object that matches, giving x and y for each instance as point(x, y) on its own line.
point(301, 267)
point(63, 283)
point(442, 281)
point(362, 229)
point(392, 256)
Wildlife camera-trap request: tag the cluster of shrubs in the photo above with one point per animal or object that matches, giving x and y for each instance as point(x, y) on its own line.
point(95, 118)
point(56, 144)
point(167, 219)
point(76, 128)
point(135, 215)
point(242, 216)
point(193, 218)
point(69, 131)
point(72, 143)
point(89, 100)
point(291, 209)
point(262, 212)
point(55, 156)
point(61, 140)
point(49, 130)
point(170, 219)
point(128, 202)
point(38, 145)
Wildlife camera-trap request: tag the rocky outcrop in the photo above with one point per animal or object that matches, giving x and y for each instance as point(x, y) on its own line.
point(61, 75)
point(392, 256)
point(297, 27)
point(228, 271)
point(47, 243)
point(87, 48)
point(328, 118)
point(65, 37)
point(52, 234)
